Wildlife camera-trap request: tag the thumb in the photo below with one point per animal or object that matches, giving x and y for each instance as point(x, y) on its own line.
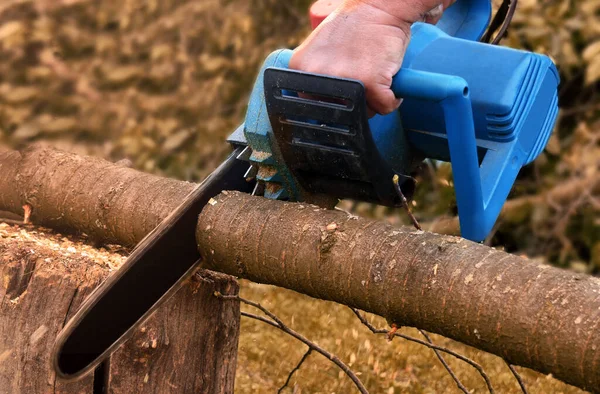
point(382, 100)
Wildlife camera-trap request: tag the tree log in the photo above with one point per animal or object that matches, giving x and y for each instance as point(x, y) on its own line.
point(533, 315)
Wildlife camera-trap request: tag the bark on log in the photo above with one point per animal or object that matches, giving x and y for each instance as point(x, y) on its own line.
point(533, 315)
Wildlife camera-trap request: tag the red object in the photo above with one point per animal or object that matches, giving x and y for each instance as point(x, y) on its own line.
point(321, 10)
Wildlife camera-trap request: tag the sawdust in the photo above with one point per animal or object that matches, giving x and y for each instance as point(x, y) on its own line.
point(56, 253)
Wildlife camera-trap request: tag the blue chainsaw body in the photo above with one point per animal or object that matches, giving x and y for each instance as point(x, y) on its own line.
point(486, 109)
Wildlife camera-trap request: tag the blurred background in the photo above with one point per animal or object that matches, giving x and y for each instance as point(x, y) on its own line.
point(163, 82)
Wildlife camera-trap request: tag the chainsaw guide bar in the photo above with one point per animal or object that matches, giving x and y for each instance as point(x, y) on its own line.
point(154, 271)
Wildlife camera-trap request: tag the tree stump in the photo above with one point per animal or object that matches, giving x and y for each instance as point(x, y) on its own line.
point(189, 345)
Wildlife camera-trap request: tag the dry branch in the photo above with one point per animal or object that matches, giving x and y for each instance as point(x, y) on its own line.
point(296, 368)
point(532, 315)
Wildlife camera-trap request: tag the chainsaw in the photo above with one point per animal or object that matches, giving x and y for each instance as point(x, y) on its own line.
point(486, 109)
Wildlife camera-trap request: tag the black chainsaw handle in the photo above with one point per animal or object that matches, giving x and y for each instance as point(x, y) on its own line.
point(154, 271)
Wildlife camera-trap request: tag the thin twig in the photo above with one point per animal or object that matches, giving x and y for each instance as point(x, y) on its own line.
point(445, 364)
point(334, 359)
point(297, 367)
point(517, 377)
point(472, 363)
point(277, 323)
point(404, 201)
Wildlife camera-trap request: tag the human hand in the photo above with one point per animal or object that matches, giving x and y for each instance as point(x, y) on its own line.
point(366, 40)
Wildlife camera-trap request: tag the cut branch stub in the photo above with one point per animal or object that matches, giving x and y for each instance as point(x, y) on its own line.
point(531, 314)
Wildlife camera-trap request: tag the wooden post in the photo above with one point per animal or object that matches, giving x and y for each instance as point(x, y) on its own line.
point(189, 345)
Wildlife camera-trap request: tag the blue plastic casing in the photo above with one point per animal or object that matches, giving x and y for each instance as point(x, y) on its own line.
point(466, 19)
point(280, 183)
point(488, 110)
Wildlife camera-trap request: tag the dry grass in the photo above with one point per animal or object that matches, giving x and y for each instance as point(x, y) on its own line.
point(266, 355)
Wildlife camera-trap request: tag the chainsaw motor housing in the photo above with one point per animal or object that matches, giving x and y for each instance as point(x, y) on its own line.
point(486, 109)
